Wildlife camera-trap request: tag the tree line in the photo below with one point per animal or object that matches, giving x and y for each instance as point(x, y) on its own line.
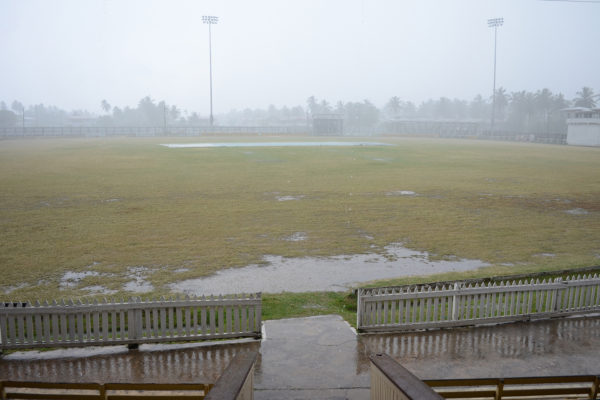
point(521, 111)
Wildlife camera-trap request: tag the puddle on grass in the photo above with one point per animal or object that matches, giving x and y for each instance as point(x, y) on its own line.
point(71, 279)
point(97, 289)
point(11, 289)
point(402, 193)
point(577, 211)
point(139, 284)
point(289, 198)
point(309, 274)
point(296, 237)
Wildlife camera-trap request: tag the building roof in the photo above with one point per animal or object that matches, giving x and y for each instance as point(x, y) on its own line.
point(575, 109)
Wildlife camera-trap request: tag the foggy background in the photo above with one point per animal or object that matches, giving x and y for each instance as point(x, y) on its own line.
point(75, 53)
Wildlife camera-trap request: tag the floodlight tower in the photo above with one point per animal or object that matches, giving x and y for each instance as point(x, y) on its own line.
point(210, 20)
point(494, 23)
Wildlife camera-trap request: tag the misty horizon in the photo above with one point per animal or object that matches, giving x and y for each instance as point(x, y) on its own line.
point(74, 54)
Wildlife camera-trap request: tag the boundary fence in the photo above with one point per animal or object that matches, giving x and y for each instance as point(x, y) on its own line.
point(148, 131)
point(457, 304)
point(465, 130)
point(79, 323)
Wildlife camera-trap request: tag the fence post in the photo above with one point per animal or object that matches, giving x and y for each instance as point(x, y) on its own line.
point(455, 301)
point(259, 316)
point(358, 309)
point(3, 326)
point(134, 324)
point(557, 301)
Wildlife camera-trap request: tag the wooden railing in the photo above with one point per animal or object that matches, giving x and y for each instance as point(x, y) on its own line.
point(547, 387)
point(402, 309)
point(69, 323)
point(391, 381)
point(235, 383)
point(106, 391)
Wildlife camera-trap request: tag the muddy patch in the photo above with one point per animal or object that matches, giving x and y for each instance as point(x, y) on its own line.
point(308, 274)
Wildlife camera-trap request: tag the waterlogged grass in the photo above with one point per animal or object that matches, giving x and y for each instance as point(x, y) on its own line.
point(288, 305)
point(111, 206)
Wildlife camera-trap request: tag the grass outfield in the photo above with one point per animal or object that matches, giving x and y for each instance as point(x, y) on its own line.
point(115, 204)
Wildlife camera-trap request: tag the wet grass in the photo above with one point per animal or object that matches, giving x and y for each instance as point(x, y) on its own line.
point(110, 205)
point(501, 274)
point(295, 305)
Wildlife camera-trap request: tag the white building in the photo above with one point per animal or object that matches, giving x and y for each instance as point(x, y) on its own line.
point(583, 126)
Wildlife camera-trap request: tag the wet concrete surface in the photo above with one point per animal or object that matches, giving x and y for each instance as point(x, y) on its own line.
point(151, 363)
point(322, 358)
point(568, 346)
point(328, 360)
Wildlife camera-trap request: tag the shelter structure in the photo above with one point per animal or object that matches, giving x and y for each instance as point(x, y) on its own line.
point(583, 126)
point(328, 124)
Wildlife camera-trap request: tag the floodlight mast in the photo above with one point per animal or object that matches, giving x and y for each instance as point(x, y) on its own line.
point(494, 23)
point(210, 20)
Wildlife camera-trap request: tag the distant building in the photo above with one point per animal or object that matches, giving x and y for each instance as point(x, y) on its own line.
point(583, 126)
point(328, 124)
point(82, 120)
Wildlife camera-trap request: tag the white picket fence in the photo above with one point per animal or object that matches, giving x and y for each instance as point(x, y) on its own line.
point(81, 323)
point(405, 308)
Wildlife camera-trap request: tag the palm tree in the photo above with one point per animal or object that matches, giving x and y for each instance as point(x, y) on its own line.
point(501, 102)
point(105, 106)
point(393, 106)
point(312, 105)
point(586, 98)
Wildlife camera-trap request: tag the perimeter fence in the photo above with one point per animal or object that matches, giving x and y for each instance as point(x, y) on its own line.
point(459, 304)
point(81, 323)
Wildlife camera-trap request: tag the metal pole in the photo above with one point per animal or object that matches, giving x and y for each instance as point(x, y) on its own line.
point(494, 89)
point(210, 19)
point(165, 118)
point(495, 23)
point(210, 71)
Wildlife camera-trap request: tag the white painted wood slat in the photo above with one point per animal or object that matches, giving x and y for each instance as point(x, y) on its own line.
point(450, 305)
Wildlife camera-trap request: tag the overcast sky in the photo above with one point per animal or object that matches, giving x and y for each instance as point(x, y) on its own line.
point(74, 53)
